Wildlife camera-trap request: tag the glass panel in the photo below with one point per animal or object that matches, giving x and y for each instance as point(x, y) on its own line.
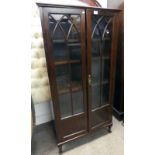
point(95, 67)
point(106, 47)
point(52, 23)
point(76, 68)
point(105, 94)
point(95, 48)
point(95, 96)
point(58, 34)
point(95, 83)
point(100, 64)
point(58, 25)
point(65, 105)
point(74, 34)
point(75, 53)
point(62, 78)
point(108, 31)
point(65, 35)
point(102, 24)
point(77, 93)
point(78, 102)
point(60, 51)
point(95, 30)
point(65, 24)
point(76, 72)
point(95, 64)
point(106, 68)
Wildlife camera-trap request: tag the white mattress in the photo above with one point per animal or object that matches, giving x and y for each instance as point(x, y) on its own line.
point(39, 79)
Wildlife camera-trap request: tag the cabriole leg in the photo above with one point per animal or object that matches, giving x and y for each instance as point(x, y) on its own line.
point(109, 128)
point(60, 148)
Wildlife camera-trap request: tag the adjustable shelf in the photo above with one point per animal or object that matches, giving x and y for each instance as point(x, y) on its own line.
point(98, 57)
point(74, 44)
point(64, 41)
point(95, 83)
point(75, 87)
point(98, 39)
point(63, 62)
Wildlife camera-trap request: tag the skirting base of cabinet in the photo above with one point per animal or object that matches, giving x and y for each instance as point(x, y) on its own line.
point(109, 126)
point(118, 115)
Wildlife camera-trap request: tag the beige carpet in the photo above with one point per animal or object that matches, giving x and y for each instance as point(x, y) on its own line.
point(99, 143)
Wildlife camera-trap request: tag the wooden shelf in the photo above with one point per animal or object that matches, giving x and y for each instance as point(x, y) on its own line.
point(71, 41)
point(63, 62)
point(66, 89)
point(63, 77)
point(100, 39)
point(74, 44)
point(98, 57)
point(95, 83)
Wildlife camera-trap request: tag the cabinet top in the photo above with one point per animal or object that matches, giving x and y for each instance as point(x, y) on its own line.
point(74, 6)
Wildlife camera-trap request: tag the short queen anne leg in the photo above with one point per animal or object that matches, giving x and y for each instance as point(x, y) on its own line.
point(60, 148)
point(109, 128)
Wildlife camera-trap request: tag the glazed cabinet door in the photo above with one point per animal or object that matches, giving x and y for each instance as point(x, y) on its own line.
point(64, 38)
point(101, 57)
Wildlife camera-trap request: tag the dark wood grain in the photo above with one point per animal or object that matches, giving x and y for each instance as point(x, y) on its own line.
point(118, 102)
point(77, 125)
point(99, 113)
point(73, 6)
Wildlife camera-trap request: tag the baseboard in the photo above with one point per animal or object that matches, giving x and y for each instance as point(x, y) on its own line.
point(119, 115)
point(43, 113)
point(43, 119)
point(46, 123)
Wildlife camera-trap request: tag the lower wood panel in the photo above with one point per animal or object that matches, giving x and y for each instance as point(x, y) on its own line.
point(73, 126)
point(100, 116)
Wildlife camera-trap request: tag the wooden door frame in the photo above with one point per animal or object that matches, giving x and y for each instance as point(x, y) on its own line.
point(114, 41)
point(50, 60)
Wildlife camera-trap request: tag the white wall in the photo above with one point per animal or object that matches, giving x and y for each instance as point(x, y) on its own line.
point(103, 3)
point(114, 4)
point(43, 113)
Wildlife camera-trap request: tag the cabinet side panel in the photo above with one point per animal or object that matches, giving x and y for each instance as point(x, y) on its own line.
point(50, 66)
